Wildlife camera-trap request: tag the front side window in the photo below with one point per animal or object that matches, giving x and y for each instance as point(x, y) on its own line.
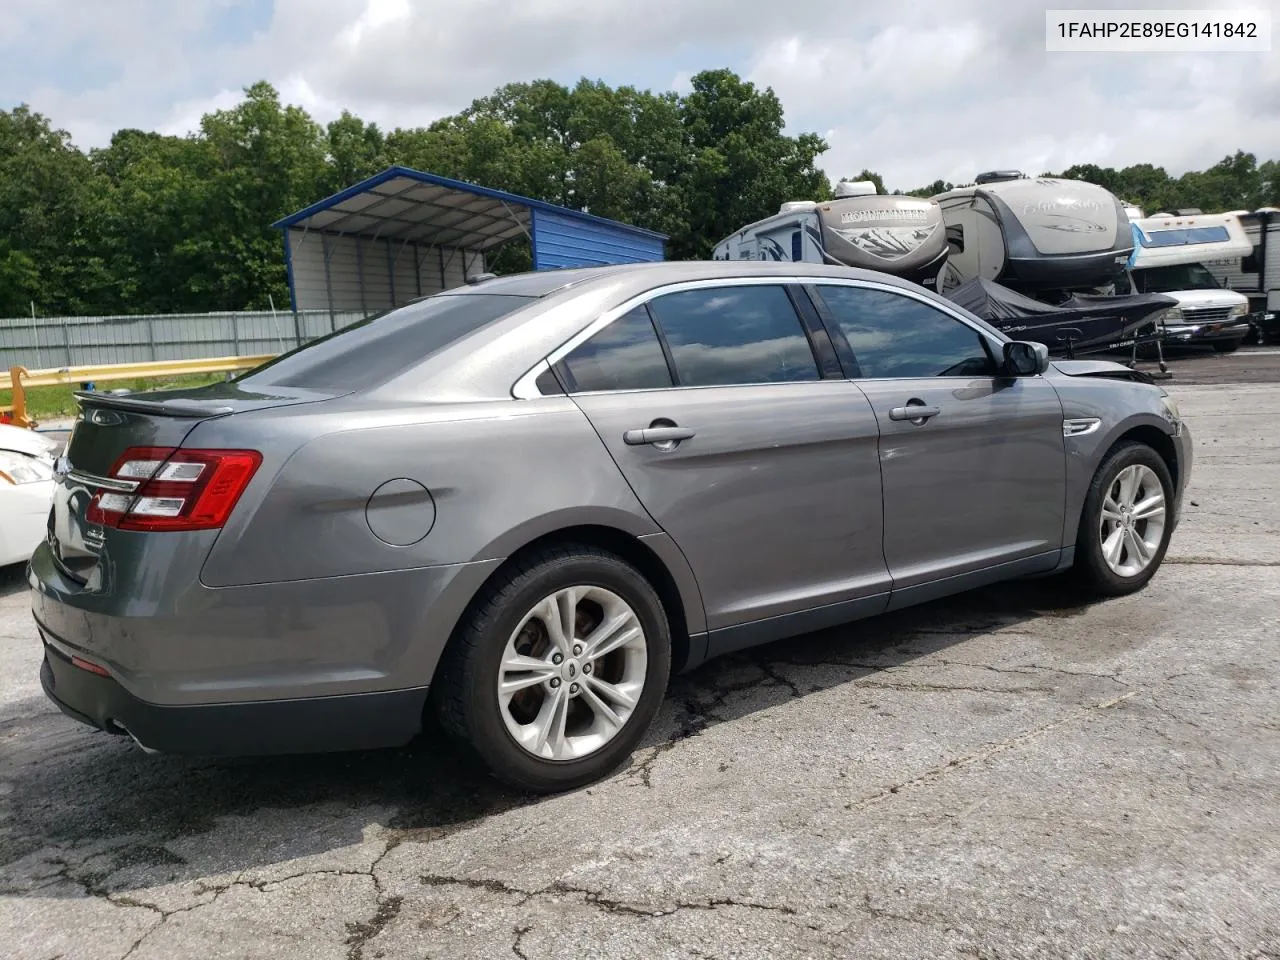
point(894, 336)
point(625, 355)
point(720, 336)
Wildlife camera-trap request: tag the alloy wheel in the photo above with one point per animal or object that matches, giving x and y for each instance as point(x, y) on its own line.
point(1132, 523)
point(572, 673)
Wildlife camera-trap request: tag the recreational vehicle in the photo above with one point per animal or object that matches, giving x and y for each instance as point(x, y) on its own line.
point(1171, 255)
point(893, 234)
point(1257, 273)
point(1043, 237)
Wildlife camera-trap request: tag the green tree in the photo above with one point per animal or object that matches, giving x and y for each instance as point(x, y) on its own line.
point(933, 189)
point(269, 160)
point(154, 208)
point(739, 165)
point(47, 232)
point(354, 151)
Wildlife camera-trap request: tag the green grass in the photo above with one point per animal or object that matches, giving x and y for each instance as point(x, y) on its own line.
point(50, 403)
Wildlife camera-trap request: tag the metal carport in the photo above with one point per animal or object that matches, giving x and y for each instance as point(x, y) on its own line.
point(403, 233)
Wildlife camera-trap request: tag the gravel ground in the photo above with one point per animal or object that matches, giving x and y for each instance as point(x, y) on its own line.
point(1003, 775)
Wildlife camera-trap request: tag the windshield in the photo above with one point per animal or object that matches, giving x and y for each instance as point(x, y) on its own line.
point(1182, 276)
point(375, 349)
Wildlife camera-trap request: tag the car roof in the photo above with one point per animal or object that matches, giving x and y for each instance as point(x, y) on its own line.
point(540, 283)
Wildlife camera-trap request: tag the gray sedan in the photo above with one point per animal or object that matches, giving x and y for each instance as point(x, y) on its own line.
point(521, 505)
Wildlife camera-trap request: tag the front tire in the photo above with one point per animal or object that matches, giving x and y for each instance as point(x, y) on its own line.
point(557, 670)
point(1226, 346)
point(1126, 522)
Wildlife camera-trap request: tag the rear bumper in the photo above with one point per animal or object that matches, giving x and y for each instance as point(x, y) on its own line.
point(311, 725)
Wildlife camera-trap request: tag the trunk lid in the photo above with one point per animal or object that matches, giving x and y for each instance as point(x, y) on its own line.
point(110, 424)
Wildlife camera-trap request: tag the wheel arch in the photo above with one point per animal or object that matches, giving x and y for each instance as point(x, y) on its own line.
point(1155, 438)
point(656, 558)
point(1086, 454)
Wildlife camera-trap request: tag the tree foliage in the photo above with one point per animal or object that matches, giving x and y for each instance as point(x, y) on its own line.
point(155, 223)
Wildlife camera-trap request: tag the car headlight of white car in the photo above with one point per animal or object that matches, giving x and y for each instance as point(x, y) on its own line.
point(1239, 310)
point(19, 468)
point(1172, 315)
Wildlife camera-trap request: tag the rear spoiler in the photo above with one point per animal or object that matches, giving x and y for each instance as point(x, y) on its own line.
point(170, 408)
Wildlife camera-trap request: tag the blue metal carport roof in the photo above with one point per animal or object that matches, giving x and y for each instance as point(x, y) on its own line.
point(404, 206)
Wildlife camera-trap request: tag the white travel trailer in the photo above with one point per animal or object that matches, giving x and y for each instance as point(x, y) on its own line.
point(1171, 255)
point(893, 234)
point(1043, 237)
point(1256, 275)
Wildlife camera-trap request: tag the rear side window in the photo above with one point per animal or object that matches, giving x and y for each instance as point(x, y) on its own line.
point(892, 335)
point(375, 349)
point(734, 335)
point(625, 355)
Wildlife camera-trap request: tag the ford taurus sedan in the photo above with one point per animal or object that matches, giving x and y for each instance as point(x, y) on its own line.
point(521, 505)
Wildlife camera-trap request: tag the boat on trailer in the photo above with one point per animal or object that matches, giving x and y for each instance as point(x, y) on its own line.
point(1042, 258)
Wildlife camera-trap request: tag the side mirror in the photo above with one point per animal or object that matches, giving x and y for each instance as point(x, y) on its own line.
point(1023, 358)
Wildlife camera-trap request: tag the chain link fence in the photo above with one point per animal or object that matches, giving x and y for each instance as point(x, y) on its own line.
point(42, 343)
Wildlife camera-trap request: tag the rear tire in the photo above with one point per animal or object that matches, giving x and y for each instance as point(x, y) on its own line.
point(542, 737)
point(1226, 346)
point(1126, 522)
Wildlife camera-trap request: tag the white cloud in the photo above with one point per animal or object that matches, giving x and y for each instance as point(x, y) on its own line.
point(935, 88)
point(378, 15)
point(185, 116)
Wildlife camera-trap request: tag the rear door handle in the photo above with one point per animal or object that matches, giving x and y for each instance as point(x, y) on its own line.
point(914, 411)
point(670, 435)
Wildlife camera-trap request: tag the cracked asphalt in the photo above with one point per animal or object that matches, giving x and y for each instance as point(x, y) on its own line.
point(1006, 774)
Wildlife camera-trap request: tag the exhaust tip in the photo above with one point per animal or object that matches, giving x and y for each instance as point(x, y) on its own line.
point(121, 728)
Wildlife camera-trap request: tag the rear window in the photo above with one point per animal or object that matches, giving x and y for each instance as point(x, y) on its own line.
point(372, 351)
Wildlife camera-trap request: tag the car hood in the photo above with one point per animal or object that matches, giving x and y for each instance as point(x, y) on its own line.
point(1099, 368)
point(1198, 299)
point(21, 440)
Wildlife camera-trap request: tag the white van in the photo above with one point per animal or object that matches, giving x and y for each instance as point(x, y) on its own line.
point(1169, 257)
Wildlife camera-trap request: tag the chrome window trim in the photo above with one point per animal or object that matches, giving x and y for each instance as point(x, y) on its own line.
point(525, 388)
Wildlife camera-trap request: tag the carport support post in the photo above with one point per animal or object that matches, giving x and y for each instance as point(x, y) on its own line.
point(391, 272)
point(328, 281)
point(364, 307)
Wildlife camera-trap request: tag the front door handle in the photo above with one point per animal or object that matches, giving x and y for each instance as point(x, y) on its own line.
point(915, 412)
point(657, 435)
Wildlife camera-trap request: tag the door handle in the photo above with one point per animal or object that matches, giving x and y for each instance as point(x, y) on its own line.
point(658, 435)
point(915, 412)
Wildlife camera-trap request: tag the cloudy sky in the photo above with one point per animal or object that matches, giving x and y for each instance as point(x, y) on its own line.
point(930, 88)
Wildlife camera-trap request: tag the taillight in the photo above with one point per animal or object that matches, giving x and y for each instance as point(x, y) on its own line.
point(174, 489)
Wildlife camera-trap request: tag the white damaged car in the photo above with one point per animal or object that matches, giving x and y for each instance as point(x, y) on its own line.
point(26, 491)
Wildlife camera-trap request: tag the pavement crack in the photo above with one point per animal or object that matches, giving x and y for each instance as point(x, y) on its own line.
point(597, 899)
point(516, 946)
point(880, 913)
point(360, 933)
point(947, 688)
point(937, 773)
point(771, 672)
point(386, 910)
point(479, 883)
